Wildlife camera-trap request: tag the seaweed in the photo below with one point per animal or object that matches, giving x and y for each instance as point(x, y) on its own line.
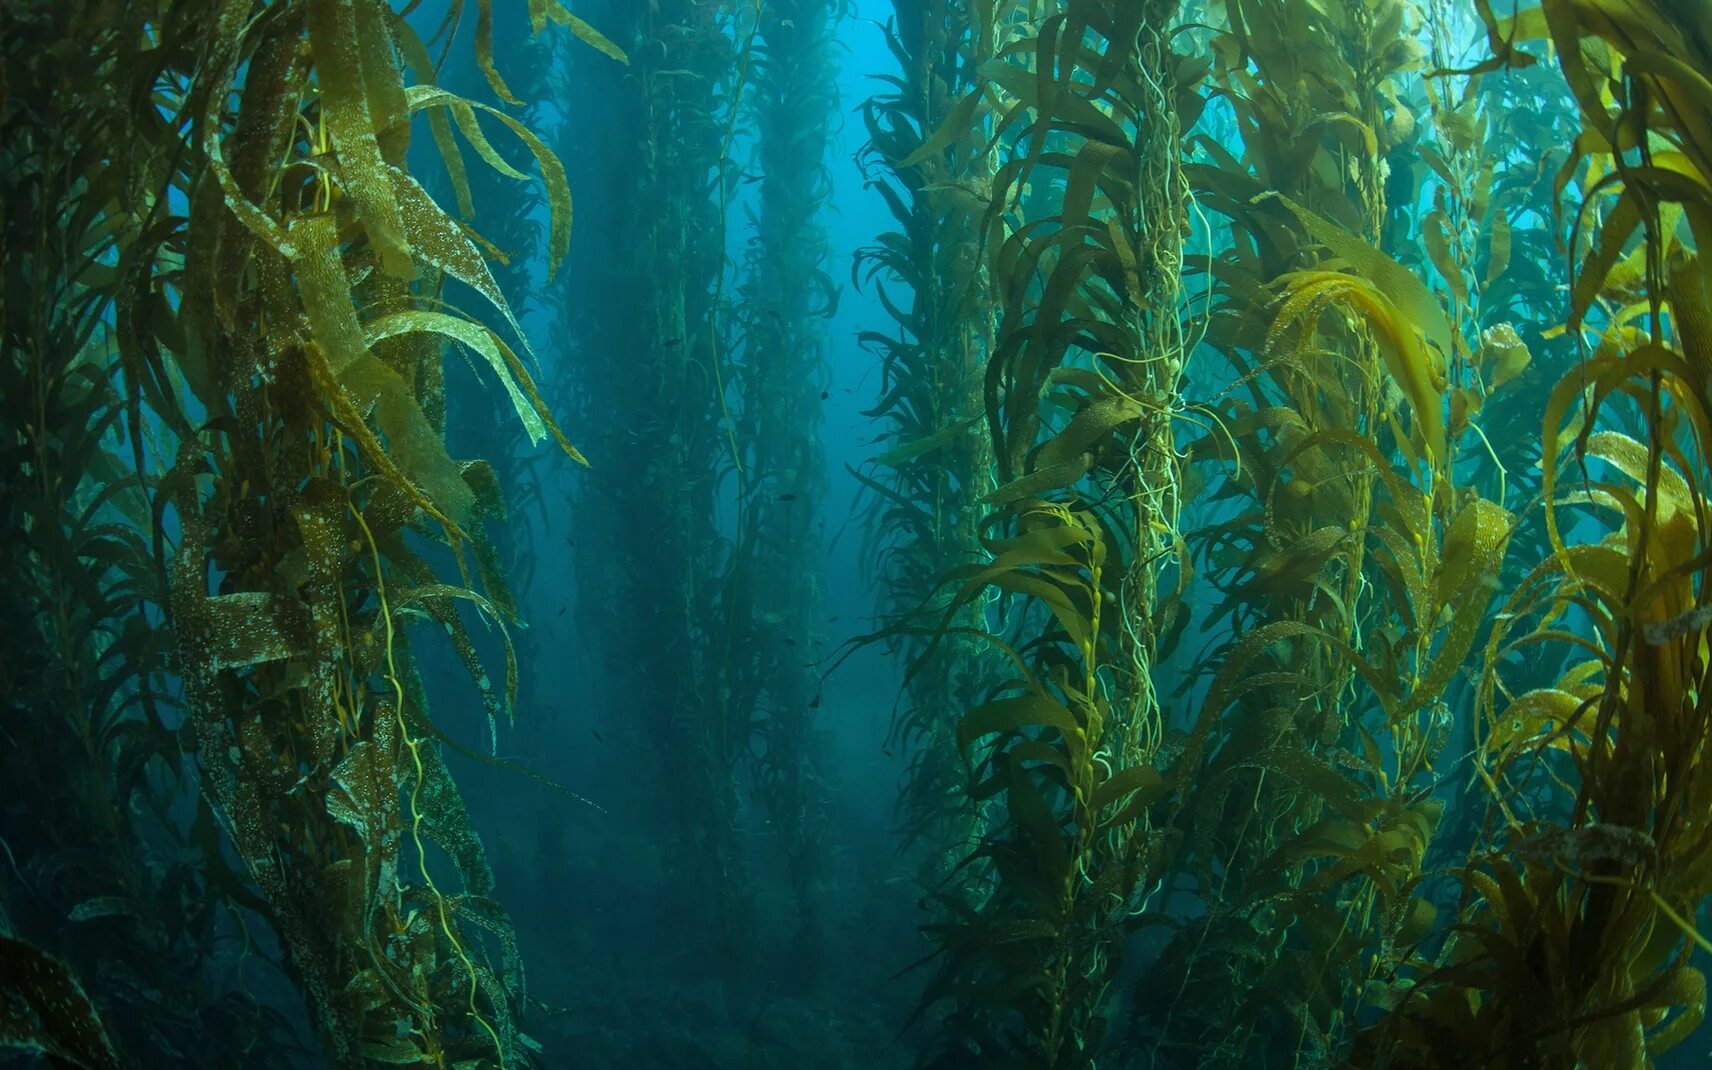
point(255, 324)
point(785, 299)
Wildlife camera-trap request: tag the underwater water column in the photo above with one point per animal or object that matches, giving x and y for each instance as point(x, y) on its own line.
point(651, 360)
point(786, 298)
point(924, 514)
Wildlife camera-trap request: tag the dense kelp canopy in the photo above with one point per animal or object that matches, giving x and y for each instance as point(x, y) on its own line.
point(963, 533)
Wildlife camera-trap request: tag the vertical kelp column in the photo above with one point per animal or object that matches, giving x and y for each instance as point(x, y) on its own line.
point(92, 779)
point(653, 590)
point(934, 170)
point(308, 496)
point(1086, 226)
point(1353, 576)
point(786, 297)
point(1576, 931)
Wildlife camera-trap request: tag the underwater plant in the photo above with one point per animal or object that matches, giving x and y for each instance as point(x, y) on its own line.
point(927, 275)
point(652, 381)
point(1082, 231)
point(271, 284)
point(1575, 925)
point(786, 297)
point(1349, 572)
point(117, 889)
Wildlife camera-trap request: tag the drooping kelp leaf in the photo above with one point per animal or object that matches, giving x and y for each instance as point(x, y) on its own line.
point(920, 447)
point(478, 339)
point(541, 11)
point(1603, 375)
point(43, 1009)
point(484, 53)
point(1021, 711)
point(552, 171)
point(421, 65)
point(1307, 293)
point(412, 459)
point(446, 822)
point(443, 244)
point(1400, 307)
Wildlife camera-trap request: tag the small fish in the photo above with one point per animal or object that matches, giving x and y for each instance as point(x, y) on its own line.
point(789, 641)
point(815, 705)
point(787, 497)
point(673, 343)
point(598, 737)
point(561, 612)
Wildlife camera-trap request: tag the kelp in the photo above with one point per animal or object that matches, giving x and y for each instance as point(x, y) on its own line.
point(1080, 389)
point(780, 382)
point(1576, 918)
point(110, 903)
point(279, 332)
point(1354, 570)
point(929, 162)
point(348, 344)
point(665, 620)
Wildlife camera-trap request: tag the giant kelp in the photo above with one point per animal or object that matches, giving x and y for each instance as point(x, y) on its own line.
point(114, 888)
point(1575, 923)
point(1292, 671)
point(1083, 223)
point(278, 329)
point(651, 374)
point(932, 168)
point(786, 298)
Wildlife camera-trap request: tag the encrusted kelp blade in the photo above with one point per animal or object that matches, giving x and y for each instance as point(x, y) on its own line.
point(44, 1010)
point(552, 171)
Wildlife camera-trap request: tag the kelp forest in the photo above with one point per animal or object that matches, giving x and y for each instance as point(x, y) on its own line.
point(727, 534)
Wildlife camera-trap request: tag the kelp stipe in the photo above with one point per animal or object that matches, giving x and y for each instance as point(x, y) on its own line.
point(1080, 393)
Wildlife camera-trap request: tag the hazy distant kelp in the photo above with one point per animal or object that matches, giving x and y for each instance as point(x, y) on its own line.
point(785, 300)
point(652, 365)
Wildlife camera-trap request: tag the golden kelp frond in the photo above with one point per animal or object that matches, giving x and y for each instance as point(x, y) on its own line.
point(1308, 293)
